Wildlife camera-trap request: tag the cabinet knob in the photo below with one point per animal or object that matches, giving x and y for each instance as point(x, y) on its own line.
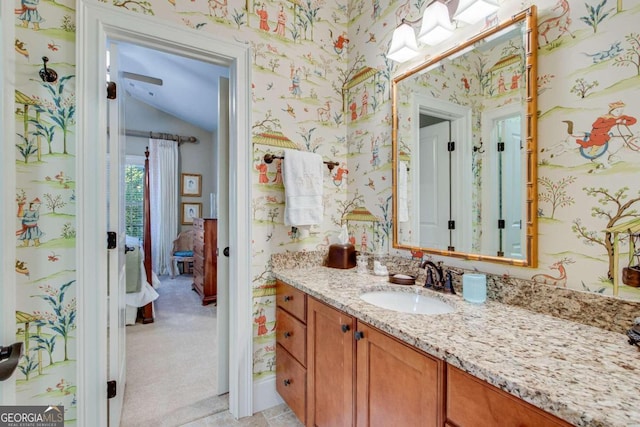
point(345, 328)
point(288, 297)
point(287, 334)
point(287, 383)
point(358, 335)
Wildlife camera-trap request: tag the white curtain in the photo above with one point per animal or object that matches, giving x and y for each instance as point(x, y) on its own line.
point(163, 183)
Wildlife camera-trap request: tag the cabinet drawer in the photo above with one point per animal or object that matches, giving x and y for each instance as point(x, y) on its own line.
point(473, 402)
point(291, 334)
point(291, 382)
point(292, 300)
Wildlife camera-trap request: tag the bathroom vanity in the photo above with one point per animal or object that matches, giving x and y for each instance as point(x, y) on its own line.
point(341, 361)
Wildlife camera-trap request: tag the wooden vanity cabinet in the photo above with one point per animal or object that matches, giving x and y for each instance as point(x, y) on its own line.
point(336, 371)
point(291, 351)
point(330, 368)
point(205, 259)
point(472, 402)
point(397, 385)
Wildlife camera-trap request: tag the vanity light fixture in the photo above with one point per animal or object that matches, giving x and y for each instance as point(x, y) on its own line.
point(403, 43)
point(472, 11)
point(436, 24)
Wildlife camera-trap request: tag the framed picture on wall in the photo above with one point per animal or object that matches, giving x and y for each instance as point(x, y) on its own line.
point(191, 185)
point(190, 211)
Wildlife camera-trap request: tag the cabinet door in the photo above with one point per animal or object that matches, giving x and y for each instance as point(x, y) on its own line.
point(396, 385)
point(330, 350)
point(472, 402)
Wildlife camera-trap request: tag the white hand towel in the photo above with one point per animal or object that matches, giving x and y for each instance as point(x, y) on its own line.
point(303, 186)
point(403, 207)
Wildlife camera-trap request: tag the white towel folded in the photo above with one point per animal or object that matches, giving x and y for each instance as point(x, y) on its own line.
point(403, 207)
point(303, 186)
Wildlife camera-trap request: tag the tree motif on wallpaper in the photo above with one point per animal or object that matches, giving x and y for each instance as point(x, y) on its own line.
point(63, 318)
point(27, 147)
point(61, 110)
point(309, 144)
point(268, 123)
point(238, 17)
point(53, 202)
point(344, 207)
point(582, 87)
point(596, 14)
point(134, 5)
point(383, 231)
point(621, 210)
point(555, 193)
point(631, 55)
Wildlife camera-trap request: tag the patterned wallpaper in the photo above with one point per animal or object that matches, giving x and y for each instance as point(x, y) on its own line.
point(321, 83)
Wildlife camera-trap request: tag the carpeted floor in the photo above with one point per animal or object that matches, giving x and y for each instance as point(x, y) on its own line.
point(171, 363)
point(171, 368)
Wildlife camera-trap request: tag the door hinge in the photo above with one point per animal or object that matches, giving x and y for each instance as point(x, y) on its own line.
point(451, 225)
point(501, 224)
point(112, 90)
point(500, 146)
point(111, 389)
point(112, 240)
point(451, 146)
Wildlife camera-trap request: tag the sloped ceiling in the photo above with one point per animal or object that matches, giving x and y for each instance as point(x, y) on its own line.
point(189, 89)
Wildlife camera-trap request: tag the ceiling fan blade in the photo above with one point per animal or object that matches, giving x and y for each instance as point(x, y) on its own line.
point(142, 78)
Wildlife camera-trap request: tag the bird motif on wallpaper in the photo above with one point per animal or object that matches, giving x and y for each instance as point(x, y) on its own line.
point(290, 110)
point(371, 185)
point(21, 49)
point(372, 38)
point(21, 267)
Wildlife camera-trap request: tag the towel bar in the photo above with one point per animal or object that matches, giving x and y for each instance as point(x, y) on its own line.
point(268, 158)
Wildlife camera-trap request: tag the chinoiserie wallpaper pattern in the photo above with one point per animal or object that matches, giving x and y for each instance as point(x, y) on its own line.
point(321, 83)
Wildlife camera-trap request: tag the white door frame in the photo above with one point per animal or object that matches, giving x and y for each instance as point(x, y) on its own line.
point(7, 192)
point(97, 23)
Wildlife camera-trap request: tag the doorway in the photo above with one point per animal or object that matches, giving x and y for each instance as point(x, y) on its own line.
point(445, 170)
point(97, 23)
point(175, 96)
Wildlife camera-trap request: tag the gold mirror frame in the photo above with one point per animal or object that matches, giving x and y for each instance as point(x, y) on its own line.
point(529, 17)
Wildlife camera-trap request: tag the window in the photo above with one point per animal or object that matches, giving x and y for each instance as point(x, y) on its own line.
point(134, 196)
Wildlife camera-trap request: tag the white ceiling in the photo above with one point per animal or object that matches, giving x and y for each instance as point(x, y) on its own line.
point(189, 89)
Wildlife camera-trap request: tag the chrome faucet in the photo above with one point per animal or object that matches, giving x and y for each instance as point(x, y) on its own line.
point(442, 282)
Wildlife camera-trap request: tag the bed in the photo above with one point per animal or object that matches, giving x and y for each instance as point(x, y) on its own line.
point(140, 290)
point(142, 295)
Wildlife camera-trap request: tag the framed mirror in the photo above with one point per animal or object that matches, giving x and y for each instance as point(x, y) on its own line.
point(464, 148)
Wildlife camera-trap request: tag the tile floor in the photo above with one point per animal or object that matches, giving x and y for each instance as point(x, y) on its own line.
point(279, 416)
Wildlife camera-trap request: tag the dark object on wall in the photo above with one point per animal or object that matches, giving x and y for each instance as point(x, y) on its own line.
point(47, 74)
point(341, 255)
point(9, 358)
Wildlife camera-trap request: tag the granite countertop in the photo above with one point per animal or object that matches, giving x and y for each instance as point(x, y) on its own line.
point(582, 374)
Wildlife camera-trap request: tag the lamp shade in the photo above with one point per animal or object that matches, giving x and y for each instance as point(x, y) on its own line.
point(436, 25)
point(403, 44)
point(472, 11)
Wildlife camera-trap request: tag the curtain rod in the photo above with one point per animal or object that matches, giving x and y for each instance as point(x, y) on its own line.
point(160, 135)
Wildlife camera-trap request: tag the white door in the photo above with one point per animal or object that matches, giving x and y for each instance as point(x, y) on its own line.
point(223, 215)
point(434, 186)
point(116, 287)
point(511, 189)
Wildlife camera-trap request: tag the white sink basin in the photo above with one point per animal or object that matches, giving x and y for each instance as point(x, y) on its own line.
point(407, 302)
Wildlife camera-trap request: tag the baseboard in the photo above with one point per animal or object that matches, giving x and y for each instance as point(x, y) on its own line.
point(265, 395)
